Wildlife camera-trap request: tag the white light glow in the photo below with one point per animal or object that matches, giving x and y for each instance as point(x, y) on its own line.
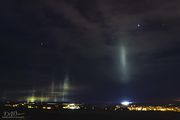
point(124, 64)
point(123, 57)
point(126, 103)
point(72, 106)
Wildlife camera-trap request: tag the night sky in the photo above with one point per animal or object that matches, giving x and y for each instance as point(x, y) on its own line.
point(109, 50)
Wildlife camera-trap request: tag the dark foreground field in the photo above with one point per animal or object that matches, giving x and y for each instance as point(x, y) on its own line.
point(95, 115)
point(104, 116)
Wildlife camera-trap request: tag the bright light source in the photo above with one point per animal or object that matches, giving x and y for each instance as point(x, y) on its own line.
point(72, 106)
point(126, 103)
point(30, 107)
point(48, 108)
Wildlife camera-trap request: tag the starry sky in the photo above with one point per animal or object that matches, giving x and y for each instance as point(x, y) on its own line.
point(109, 49)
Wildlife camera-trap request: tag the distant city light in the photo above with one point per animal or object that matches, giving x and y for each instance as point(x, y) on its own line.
point(126, 103)
point(30, 107)
point(72, 106)
point(48, 108)
point(154, 108)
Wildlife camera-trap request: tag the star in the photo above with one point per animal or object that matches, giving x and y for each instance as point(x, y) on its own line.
point(138, 25)
point(42, 43)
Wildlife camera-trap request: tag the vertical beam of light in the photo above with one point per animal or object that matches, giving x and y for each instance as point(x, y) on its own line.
point(123, 58)
point(124, 71)
point(32, 98)
point(53, 92)
point(65, 87)
point(52, 87)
